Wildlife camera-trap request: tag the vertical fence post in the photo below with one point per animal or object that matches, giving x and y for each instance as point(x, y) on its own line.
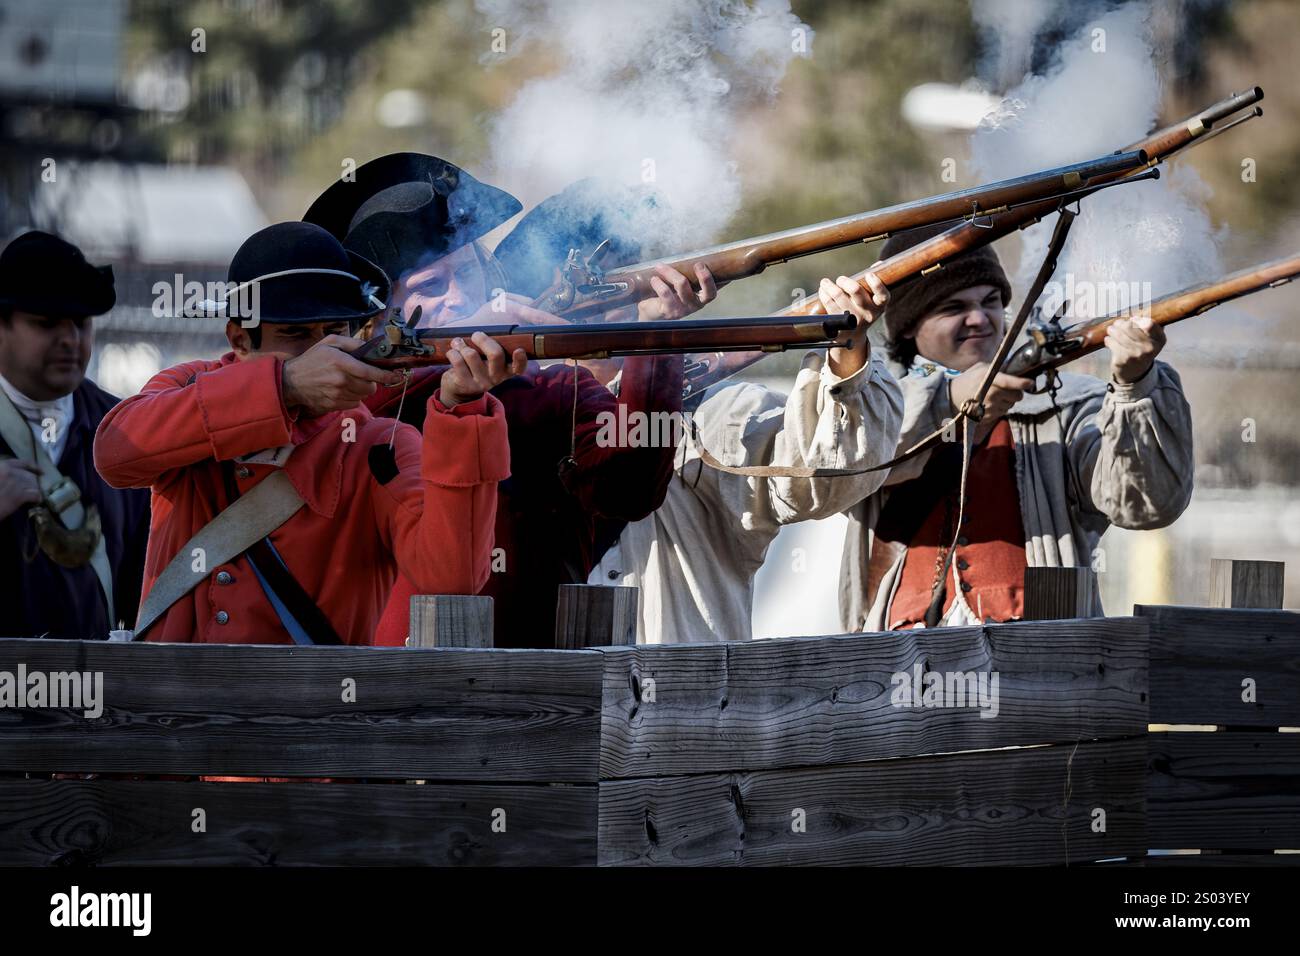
point(592, 615)
point(1246, 583)
point(450, 620)
point(1055, 594)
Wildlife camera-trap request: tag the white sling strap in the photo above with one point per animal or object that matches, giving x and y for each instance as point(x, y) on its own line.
point(251, 517)
point(62, 496)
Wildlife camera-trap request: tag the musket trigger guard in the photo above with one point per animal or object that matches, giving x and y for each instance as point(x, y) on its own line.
point(1037, 389)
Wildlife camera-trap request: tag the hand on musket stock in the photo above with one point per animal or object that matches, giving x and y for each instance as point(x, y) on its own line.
point(675, 296)
point(476, 366)
point(1001, 397)
point(480, 364)
point(865, 298)
point(326, 378)
point(1134, 344)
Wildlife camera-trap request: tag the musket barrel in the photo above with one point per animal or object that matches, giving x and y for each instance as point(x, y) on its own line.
point(1166, 310)
point(1161, 143)
point(1197, 299)
point(967, 236)
point(1231, 104)
point(601, 340)
point(931, 254)
point(965, 203)
point(748, 257)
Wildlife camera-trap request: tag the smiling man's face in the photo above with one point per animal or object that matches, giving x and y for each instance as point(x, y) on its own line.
point(963, 329)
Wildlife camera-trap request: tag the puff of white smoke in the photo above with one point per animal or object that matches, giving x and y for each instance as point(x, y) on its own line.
point(1102, 91)
point(645, 94)
point(1008, 29)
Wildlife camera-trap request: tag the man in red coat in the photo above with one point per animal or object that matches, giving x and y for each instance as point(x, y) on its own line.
point(288, 396)
point(422, 219)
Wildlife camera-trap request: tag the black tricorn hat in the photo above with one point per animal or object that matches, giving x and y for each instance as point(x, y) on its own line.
point(583, 216)
point(302, 274)
point(45, 275)
point(405, 210)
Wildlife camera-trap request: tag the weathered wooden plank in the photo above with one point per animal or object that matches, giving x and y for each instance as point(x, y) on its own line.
point(595, 615)
point(1200, 658)
point(1256, 584)
point(450, 620)
point(1236, 790)
point(109, 823)
point(830, 700)
point(438, 713)
point(1055, 594)
point(1017, 806)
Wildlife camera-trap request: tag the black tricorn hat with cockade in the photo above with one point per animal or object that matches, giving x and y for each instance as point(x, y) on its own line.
point(405, 210)
point(45, 275)
point(584, 215)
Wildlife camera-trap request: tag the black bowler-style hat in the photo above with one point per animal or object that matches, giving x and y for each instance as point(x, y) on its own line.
point(45, 275)
point(405, 210)
point(303, 274)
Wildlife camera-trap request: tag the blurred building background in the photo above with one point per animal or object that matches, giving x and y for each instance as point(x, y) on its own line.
point(158, 134)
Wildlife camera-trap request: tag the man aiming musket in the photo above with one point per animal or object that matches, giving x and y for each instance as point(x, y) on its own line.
point(1052, 471)
point(1048, 473)
point(423, 220)
point(689, 585)
point(1127, 450)
point(694, 559)
point(260, 465)
point(968, 282)
point(695, 555)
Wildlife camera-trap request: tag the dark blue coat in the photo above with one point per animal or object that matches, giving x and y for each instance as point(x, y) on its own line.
point(42, 599)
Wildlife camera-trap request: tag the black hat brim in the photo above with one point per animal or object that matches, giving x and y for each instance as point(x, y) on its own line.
point(582, 216)
point(45, 275)
point(317, 298)
point(400, 237)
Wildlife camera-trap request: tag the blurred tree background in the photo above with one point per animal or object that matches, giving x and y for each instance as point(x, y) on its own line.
point(288, 88)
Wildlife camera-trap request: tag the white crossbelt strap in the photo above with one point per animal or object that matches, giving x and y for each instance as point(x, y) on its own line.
point(251, 517)
point(62, 496)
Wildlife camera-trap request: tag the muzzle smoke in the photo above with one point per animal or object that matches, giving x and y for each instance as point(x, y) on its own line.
point(1099, 91)
point(645, 95)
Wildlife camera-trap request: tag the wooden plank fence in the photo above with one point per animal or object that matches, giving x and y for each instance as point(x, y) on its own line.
point(1224, 768)
point(1023, 743)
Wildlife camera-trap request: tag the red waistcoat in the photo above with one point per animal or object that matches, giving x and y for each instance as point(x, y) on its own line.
point(990, 555)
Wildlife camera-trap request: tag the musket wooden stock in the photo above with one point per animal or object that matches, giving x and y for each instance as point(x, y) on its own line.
point(589, 295)
point(400, 347)
point(909, 264)
point(1051, 346)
